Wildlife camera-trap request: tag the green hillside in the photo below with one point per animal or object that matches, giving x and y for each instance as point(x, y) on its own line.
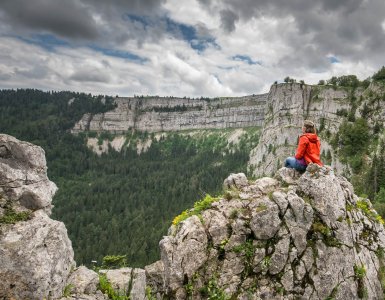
point(120, 203)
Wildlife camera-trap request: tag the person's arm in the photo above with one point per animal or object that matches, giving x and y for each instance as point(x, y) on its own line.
point(303, 141)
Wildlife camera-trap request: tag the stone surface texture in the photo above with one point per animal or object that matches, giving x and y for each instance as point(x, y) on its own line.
point(36, 254)
point(127, 282)
point(293, 237)
point(154, 114)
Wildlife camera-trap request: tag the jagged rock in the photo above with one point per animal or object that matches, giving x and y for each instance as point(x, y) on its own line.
point(265, 221)
point(287, 176)
point(300, 238)
point(83, 281)
point(177, 252)
point(236, 181)
point(266, 184)
point(127, 281)
point(36, 255)
point(97, 296)
point(23, 174)
point(36, 258)
point(281, 252)
point(325, 193)
point(154, 277)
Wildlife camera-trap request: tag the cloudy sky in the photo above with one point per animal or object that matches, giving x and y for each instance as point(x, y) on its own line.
point(186, 47)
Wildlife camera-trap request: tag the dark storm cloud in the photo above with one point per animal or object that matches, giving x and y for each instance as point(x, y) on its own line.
point(74, 19)
point(228, 19)
point(65, 18)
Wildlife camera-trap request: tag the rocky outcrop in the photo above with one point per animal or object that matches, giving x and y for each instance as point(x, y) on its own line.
point(128, 282)
point(36, 255)
point(288, 237)
point(154, 114)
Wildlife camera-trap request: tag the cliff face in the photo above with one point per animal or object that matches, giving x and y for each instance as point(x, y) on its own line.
point(154, 114)
point(280, 113)
point(288, 105)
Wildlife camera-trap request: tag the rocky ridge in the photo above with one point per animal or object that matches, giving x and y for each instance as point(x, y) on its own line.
point(289, 237)
point(155, 114)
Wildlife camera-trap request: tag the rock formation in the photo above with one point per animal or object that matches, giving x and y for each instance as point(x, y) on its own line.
point(36, 255)
point(291, 237)
point(154, 114)
point(289, 104)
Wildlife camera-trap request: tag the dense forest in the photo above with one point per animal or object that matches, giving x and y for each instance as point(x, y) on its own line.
point(120, 203)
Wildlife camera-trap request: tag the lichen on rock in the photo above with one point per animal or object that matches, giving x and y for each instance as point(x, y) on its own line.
point(298, 237)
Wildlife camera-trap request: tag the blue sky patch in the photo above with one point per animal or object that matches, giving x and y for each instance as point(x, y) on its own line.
point(120, 54)
point(333, 60)
point(178, 30)
point(190, 35)
point(247, 59)
point(145, 21)
point(47, 41)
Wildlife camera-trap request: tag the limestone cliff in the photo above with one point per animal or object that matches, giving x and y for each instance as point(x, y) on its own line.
point(289, 104)
point(280, 113)
point(154, 114)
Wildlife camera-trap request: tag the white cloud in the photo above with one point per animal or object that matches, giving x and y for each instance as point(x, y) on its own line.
point(283, 45)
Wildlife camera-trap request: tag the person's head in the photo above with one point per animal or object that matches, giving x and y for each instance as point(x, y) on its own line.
point(308, 127)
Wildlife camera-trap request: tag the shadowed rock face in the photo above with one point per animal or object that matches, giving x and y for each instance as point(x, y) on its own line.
point(292, 237)
point(36, 255)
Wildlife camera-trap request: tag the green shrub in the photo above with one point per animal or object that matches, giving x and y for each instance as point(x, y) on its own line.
point(11, 216)
point(114, 261)
point(67, 290)
point(106, 288)
point(380, 75)
point(199, 206)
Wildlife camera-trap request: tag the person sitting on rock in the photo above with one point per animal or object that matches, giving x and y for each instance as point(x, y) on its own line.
point(308, 150)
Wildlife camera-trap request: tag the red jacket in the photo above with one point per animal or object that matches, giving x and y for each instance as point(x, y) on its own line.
point(309, 148)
